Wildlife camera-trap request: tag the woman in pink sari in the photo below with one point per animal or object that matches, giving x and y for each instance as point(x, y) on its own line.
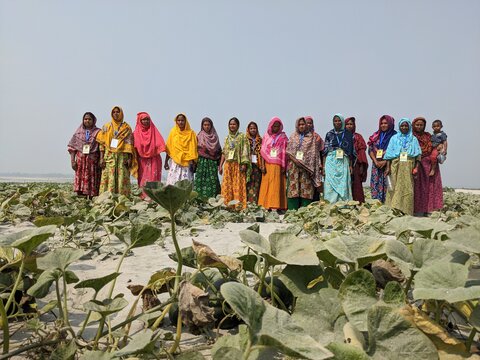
point(428, 192)
point(149, 144)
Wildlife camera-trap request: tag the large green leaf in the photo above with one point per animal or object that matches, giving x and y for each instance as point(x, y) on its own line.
point(359, 249)
point(426, 227)
point(392, 337)
point(231, 346)
point(270, 326)
point(297, 279)
point(107, 306)
point(96, 355)
point(29, 239)
point(141, 343)
point(170, 197)
point(41, 288)
point(466, 239)
point(400, 254)
point(97, 283)
point(357, 295)
point(317, 314)
point(444, 281)
point(65, 351)
point(255, 241)
point(143, 235)
point(347, 352)
point(59, 258)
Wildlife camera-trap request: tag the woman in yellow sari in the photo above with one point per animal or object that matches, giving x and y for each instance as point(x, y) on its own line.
point(117, 154)
point(182, 152)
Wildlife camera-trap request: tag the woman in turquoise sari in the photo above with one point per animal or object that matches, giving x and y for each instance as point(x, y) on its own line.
point(338, 154)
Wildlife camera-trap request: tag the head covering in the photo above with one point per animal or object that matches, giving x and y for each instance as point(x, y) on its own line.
point(317, 136)
point(424, 137)
point(119, 130)
point(304, 142)
point(359, 144)
point(403, 142)
point(274, 141)
point(148, 140)
point(182, 144)
point(208, 143)
point(341, 139)
point(380, 139)
point(255, 143)
point(83, 136)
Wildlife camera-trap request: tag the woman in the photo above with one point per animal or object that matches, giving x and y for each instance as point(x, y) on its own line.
point(303, 169)
point(320, 145)
point(360, 165)
point(273, 151)
point(85, 157)
point(149, 144)
point(377, 145)
point(209, 153)
point(258, 165)
point(401, 155)
point(337, 159)
point(182, 150)
point(235, 165)
point(117, 154)
point(428, 184)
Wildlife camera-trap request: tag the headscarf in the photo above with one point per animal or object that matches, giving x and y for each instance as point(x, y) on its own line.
point(342, 139)
point(254, 150)
point(79, 137)
point(359, 144)
point(238, 142)
point(403, 142)
point(304, 142)
point(148, 140)
point(384, 136)
point(208, 143)
point(182, 144)
point(424, 137)
point(318, 138)
point(274, 141)
point(119, 130)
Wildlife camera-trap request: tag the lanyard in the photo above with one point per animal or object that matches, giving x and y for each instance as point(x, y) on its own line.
point(232, 142)
point(87, 135)
point(301, 140)
point(275, 140)
point(254, 142)
point(115, 132)
point(404, 145)
point(340, 142)
point(382, 136)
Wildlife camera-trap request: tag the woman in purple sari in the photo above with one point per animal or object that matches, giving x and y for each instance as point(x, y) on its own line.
point(428, 184)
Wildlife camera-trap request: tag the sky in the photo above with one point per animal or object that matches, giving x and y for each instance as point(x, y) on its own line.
point(253, 59)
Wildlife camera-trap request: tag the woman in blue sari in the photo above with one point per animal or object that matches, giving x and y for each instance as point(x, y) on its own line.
point(338, 154)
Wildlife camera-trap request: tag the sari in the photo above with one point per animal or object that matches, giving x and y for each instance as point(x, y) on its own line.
point(303, 172)
point(149, 144)
point(428, 189)
point(273, 186)
point(182, 150)
point(320, 145)
point(360, 164)
point(87, 175)
point(337, 186)
point(379, 141)
point(234, 184)
point(116, 141)
point(400, 193)
point(253, 185)
point(206, 182)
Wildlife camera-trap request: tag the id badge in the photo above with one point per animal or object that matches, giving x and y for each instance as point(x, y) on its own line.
point(299, 155)
point(380, 154)
point(254, 159)
point(403, 156)
point(231, 155)
point(339, 154)
point(273, 153)
point(86, 149)
point(114, 143)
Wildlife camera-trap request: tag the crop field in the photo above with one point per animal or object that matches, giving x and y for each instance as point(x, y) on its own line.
point(329, 281)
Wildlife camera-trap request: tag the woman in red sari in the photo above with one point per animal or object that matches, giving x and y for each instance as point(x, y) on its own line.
point(428, 191)
point(360, 167)
point(148, 144)
point(85, 157)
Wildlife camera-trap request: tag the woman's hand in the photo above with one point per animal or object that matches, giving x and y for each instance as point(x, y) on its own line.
point(192, 166)
point(264, 170)
point(220, 170)
point(381, 164)
point(386, 172)
point(74, 165)
point(243, 168)
point(166, 167)
point(102, 163)
point(128, 162)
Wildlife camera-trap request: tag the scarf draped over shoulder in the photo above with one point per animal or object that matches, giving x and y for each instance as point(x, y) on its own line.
point(424, 138)
point(182, 144)
point(119, 130)
point(80, 136)
point(380, 139)
point(403, 142)
point(148, 140)
point(255, 144)
point(276, 141)
point(209, 143)
point(342, 139)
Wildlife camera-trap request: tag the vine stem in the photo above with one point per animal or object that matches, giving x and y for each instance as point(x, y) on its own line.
point(15, 286)
point(6, 329)
point(468, 344)
point(262, 276)
point(179, 255)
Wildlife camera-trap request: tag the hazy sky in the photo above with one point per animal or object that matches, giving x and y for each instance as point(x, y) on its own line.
point(251, 59)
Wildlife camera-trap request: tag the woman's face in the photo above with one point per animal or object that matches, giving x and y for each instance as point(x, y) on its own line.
point(181, 121)
point(309, 124)
point(349, 125)
point(302, 126)
point(145, 121)
point(206, 126)
point(233, 126)
point(383, 125)
point(116, 114)
point(87, 121)
point(419, 126)
point(252, 130)
point(337, 123)
point(404, 128)
point(275, 127)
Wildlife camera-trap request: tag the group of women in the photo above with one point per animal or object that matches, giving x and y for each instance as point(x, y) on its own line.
point(273, 171)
